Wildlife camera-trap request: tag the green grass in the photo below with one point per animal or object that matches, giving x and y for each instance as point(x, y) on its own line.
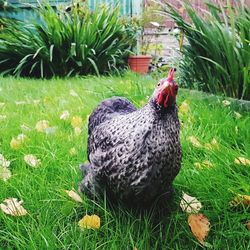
point(52, 222)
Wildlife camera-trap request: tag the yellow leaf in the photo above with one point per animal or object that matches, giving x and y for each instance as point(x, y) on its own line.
point(242, 161)
point(195, 142)
point(240, 199)
point(73, 195)
point(73, 151)
point(65, 115)
point(32, 160)
point(76, 121)
point(212, 145)
point(5, 173)
point(184, 108)
point(90, 222)
point(13, 207)
point(16, 143)
point(199, 225)
point(190, 204)
point(42, 125)
point(203, 164)
point(77, 131)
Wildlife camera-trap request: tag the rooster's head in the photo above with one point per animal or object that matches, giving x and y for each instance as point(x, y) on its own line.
point(166, 91)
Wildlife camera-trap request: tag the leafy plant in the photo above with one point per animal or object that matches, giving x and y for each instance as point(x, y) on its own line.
point(65, 44)
point(217, 56)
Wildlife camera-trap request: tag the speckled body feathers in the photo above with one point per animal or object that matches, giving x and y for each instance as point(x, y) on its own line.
point(133, 154)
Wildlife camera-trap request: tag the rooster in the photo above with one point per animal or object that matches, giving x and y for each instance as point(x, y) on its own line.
point(134, 154)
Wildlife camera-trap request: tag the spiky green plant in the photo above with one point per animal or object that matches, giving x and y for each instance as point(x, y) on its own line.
point(216, 57)
point(63, 44)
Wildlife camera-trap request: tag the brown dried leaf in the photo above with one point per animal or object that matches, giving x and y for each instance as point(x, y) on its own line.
point(190, 204)
point(13, 207)
point(74, 196)
point(199, 225)
point(248, 225)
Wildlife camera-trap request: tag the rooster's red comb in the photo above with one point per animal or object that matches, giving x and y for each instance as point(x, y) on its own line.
point(171, 75)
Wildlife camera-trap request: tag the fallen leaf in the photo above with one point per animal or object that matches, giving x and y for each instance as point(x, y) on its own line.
point(32, 160)
point(2, 117)
point(13, 207)
point(184, 108)
point(5, 173)
point(73, 93)
point(240, 199)
point(25, 127)
point(77, 131)
point(73, 151)
point(212, 145)
point(226, 103)
point(190, 204)
point(195, 142)
point(237, 115)
point(4, 162)
point(242, 161)
point(65, 115)
point(50, 130)
point(90, 222)
point(72, 194)
point(16, 143)
point(42, 125)
point(203, 164)
point(76, 121)
point(36, 102)
point(248, 225)
point(199, 225)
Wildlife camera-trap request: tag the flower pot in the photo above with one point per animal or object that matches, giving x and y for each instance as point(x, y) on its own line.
point(140, 63)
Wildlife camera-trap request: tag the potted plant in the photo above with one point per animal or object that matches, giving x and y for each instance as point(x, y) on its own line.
point(140, 61)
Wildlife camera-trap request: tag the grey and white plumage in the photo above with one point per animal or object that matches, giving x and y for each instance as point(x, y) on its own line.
point(133, 154)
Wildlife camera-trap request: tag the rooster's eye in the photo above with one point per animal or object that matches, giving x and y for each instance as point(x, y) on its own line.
point(158, 84)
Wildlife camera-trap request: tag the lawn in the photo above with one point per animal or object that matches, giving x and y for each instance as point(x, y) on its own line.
point(52, 220)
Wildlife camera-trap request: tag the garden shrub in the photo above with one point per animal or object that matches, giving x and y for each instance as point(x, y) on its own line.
point(216, 57)
point(66, 44)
